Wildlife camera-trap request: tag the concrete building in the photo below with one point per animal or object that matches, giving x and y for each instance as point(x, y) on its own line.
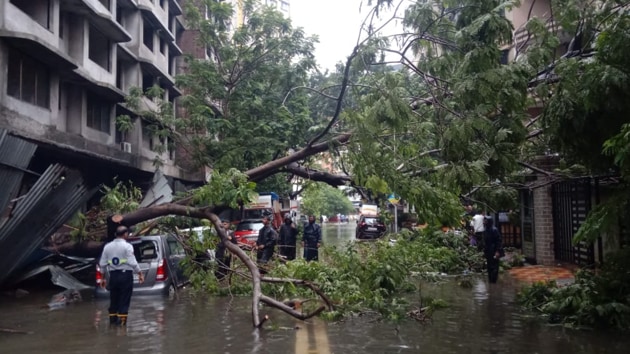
point(283, 6)
point(66, 67)
point(552, 212)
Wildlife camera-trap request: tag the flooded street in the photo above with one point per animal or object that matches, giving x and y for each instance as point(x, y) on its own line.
point(479, 320)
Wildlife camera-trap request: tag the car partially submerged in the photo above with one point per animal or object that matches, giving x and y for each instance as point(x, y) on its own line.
point(159, 258)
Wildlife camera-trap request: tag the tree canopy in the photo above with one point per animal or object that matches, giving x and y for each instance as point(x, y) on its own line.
point(455, 121)
point(322, 199)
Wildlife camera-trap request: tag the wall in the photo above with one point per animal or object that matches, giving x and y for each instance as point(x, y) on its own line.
point(543, 212)
point(543, 225)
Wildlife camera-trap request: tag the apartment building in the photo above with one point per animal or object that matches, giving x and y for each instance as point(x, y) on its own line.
point(284, 6)
point(66, 67)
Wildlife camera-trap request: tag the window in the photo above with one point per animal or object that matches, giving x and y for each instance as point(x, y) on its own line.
point(284, 6)
point(145, 251)
point(98, 113)
point(163, 4)
point(62, 23)
point(147, 82)
point(147, 35)
point(175, 247)
point(39, 11)
point(505, 55)
point(119, 17)
point(105, 3)
point(148, 134)
point(100, 49)
point(162, 46)
point(28, 79)
point(120, 72)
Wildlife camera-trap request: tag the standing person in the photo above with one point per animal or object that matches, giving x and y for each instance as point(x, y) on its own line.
point(224, 259)
point(119, 260)
point(266, 241)
point(492, 249)
point(477, 225)
point(312, 239)
point(288, 238)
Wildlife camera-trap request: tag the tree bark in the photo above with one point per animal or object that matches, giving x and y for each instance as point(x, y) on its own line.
point(316, 175)
point(265, 170)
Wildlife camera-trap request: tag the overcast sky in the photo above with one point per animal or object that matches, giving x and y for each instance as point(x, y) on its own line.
point(336, 22)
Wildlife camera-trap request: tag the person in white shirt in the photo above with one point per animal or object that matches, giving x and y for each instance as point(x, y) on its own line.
point(477, 224)
point(119, 260)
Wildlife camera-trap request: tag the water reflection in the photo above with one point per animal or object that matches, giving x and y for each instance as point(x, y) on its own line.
point(338, 234)
point(482, 319)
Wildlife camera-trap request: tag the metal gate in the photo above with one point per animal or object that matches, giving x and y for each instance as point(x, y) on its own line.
point(571, 204)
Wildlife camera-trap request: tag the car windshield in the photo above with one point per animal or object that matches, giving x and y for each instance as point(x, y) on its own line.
point(249, 226)
point(371, 221)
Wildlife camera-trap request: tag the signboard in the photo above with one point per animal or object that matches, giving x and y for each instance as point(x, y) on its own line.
point(263, 202)
point(394, 199)
point(369, 209)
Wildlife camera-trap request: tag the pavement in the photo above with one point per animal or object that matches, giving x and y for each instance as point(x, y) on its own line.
point(562, 275)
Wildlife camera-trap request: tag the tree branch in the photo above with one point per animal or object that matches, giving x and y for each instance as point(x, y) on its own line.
point(272, 167)
point(317, 175)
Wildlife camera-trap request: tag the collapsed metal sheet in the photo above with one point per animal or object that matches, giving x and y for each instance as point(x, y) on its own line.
point(56, 195)
point(58, 276)
point(15, 156)
point(159, 193)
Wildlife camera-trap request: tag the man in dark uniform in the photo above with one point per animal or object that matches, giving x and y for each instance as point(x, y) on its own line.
point(224, 259)
point(119, 260)
point(492, 249)
point(288, 238)
point(312, 239)
point(266, 241)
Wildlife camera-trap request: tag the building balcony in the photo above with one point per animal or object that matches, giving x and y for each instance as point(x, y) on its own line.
point(128, 4)
point(160, 23)
point(99, 16)
point(31, 36)
point(175, 8)
point(522, 37)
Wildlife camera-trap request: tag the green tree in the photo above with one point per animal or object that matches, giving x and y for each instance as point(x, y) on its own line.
point(453, 122)
point(322, 199)
point(236, 100)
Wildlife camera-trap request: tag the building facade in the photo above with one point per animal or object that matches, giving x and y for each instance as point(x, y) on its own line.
point(66, 67)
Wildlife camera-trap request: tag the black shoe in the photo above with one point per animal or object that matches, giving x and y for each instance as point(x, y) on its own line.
point(114, 320)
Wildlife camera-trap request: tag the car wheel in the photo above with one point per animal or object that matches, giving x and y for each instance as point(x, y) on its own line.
point(171, 291)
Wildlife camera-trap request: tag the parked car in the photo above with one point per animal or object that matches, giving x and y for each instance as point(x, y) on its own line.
point(159, 257)
point(370, 227)
point(247, 231)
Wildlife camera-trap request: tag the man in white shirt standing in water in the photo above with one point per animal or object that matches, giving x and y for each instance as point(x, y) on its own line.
point(119, 260)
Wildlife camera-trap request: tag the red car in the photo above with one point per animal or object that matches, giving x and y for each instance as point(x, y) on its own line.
point(246, 231)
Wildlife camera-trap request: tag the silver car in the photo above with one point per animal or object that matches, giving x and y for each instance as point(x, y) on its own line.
point(159, 257)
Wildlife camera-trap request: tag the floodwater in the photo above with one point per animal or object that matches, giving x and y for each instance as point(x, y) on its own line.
point(483, 319)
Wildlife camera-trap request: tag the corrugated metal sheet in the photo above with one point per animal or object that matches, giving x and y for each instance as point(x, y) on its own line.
point(56, 195)
point(159, 193)
point(15, 154)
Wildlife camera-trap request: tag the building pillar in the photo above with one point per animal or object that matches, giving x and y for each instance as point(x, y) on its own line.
point(543, 226)
point(543, 212)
